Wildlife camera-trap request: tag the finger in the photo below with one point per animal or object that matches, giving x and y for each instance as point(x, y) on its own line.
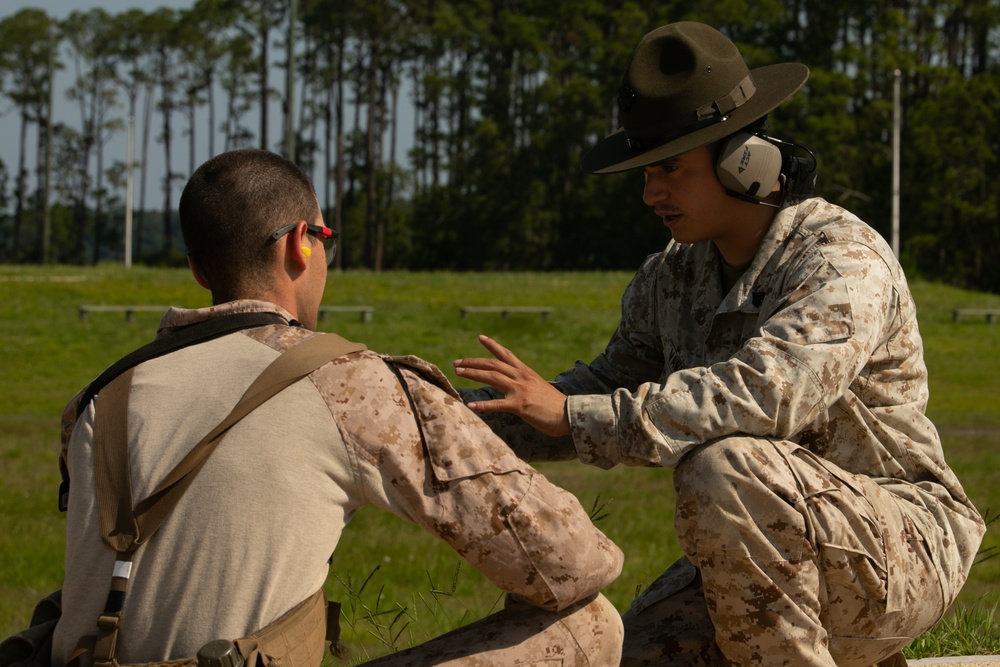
point(502, 382)
point(481, 363)
point(500, 352)
point(495, 405)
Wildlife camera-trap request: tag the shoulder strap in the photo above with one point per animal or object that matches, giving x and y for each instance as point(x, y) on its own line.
point(199, 332)
point(189, 335)
point(291, 366)
point(125, 527)
point(110, 435)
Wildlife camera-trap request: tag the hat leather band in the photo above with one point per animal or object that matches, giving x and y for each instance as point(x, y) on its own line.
point(710, 114)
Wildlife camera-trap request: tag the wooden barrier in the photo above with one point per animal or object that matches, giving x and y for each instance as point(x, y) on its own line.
point(990, 313)
point(129, 310)
point(364, 311)
point(504, 310)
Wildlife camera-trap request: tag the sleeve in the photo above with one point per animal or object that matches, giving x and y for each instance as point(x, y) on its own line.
point(433, 462)
point(634, 354)
point(804, 357)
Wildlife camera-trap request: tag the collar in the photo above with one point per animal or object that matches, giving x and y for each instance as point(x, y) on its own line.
point(756, 283)
point(175, 318)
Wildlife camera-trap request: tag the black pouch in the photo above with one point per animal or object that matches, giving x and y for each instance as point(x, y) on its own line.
point(33, 647)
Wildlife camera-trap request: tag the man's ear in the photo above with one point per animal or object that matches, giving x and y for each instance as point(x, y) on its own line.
point(198, 275)
point(298, 247)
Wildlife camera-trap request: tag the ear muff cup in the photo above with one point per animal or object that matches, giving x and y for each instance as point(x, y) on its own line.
point(748, 165)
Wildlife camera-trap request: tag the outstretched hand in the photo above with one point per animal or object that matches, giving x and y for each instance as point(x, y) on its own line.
point(526, 393)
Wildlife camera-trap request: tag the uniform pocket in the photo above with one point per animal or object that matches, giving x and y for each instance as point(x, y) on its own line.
point(458, 443)
point(881, 586)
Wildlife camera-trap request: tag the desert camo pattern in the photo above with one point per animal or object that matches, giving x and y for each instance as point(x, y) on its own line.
point(588, 632)
point(449, 474)
point(813, 356)
point(363, 429)
point(800, 563)
point(816, 343)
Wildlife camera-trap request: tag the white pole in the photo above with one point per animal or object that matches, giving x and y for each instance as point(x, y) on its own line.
point(896, 122)
point(128, 192)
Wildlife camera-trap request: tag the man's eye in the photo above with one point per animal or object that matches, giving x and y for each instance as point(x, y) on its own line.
point(664, 167)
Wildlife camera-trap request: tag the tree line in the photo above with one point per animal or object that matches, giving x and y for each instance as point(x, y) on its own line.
point(506, 97)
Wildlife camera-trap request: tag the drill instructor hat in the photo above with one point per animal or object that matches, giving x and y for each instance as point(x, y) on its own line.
point(686, 85)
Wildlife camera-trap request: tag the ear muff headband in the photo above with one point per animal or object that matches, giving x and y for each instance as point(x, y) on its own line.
point(748, 166)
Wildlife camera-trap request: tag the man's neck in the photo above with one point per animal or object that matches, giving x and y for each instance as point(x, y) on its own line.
point(740, 247)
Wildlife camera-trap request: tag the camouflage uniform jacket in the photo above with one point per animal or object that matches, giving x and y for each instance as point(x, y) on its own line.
point(254, 533)
point(817, 344)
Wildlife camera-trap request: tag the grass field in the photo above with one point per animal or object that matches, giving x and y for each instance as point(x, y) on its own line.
point(398, 585)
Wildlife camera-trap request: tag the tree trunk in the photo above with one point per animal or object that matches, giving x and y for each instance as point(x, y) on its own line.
point(340, 170)
point(390, 187)
point(41, 117)
point(327, 148)
point(211, 118)
point(262, 73)
point(191, 135)
point(230, 122)
point(166, 245)
point(372, 257)
point(289, 105)
point(22, 186)
point(99, 195)
point(46, 252)
point(147, 123)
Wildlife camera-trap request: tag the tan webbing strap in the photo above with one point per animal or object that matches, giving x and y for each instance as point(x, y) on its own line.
point(289, 367)
point(111, 465)
point(114, 504)
point(125, 528)
point(294, 364)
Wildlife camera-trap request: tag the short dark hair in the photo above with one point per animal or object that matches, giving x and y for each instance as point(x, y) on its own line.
point(230, 207)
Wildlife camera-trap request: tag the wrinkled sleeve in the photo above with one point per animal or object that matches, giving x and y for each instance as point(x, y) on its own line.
point(634, 353)
point(786, 377)
point(427, 458)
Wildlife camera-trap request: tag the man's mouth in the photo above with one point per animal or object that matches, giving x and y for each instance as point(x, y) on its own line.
point(669, 217)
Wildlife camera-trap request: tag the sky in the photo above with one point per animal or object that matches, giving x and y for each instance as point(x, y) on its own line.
point(62, 8)
point(68, 112)
point(116, 149)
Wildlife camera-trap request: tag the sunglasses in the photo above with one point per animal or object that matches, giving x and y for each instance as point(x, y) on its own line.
point(327, 235)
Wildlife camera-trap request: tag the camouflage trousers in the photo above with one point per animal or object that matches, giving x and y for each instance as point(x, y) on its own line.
point(789, 561)
point(587, 633)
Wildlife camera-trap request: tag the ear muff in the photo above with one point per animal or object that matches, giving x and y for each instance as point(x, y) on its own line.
point(748, 166)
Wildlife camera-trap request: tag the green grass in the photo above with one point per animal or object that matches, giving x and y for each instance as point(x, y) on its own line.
point(968, 630)
point(398, 585)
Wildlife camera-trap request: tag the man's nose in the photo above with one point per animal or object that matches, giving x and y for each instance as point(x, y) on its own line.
point(654, 190)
